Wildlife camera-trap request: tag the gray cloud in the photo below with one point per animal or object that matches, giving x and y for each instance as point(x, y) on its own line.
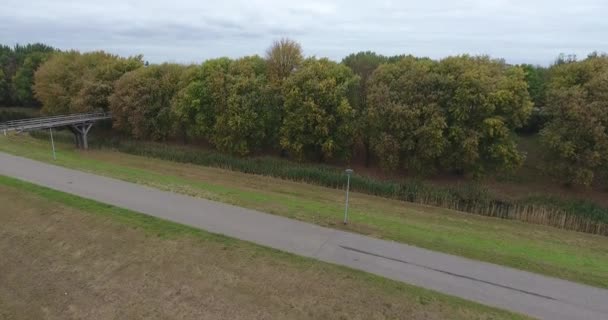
point(191, 31)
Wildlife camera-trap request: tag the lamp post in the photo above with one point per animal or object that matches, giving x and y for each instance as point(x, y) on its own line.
point(349, 172)
point(52, 143)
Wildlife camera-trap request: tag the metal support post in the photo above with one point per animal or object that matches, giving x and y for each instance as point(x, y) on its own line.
point(348, 174)
point(53, 143)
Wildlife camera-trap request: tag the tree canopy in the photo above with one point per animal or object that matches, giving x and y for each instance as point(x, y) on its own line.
point(576, 135)
point(406, 122)
point(319, 119)
point(458, 113)
point(141, 102)
point(198, 103)
point(283, 57)
point(75, 82)
point(17, 67)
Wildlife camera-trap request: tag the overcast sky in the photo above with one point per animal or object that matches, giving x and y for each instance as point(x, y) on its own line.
point(531, 31)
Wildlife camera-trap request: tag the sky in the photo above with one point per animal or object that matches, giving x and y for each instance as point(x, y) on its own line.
point(190, 31)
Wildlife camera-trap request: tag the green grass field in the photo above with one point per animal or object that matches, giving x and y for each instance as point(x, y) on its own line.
point(91, 250)
point(554, 252)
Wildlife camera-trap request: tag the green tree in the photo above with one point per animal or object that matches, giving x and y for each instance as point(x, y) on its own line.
point(141, 102)
point(406, 123)
point(283, 57)
point(363, 64)
point(22, 52)
point(197, 105)
point(319, 119)
point(6, 59)
point(18, 65)
point(23, 80)
point(4, 89)
point(484, 101)
point(576, 135)
point(248, 121)
point(536, 77)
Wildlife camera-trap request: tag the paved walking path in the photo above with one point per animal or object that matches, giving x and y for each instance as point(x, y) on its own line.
point(519, 291)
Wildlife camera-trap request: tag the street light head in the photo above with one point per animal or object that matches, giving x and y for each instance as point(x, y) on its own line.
point(349, 171)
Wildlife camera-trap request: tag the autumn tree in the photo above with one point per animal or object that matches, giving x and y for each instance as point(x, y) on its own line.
point(141, 102)
point(576, 135)
point(74, 82)
point(197, 105)
point(406, 123)
point(100, 71)
point(57, 81)
point(484, 101)
point(319, 119)
point(283, 58)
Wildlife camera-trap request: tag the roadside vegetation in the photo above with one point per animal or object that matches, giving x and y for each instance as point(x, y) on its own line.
point(537, 207)
point(92, 250)
point(569, 255)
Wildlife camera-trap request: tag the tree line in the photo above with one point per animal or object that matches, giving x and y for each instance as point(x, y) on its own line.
point(458, 114)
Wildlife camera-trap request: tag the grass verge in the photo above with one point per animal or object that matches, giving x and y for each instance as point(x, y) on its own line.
point(66, 253)
point(569, 255)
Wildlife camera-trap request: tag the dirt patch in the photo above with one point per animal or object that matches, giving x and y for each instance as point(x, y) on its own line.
point(61, 263)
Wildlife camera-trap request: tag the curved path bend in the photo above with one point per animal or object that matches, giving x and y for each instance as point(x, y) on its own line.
point(524, 292)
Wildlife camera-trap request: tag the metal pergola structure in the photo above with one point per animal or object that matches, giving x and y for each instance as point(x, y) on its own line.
point(79, 124)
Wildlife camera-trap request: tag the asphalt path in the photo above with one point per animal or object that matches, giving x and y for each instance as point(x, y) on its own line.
point(519, 291)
